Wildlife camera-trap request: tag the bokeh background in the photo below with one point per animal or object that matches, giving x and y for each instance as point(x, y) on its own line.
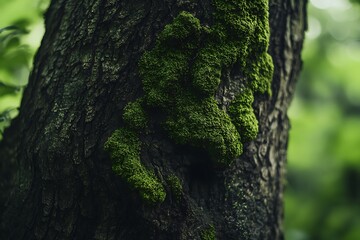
point(21, 31)
point(322, 199)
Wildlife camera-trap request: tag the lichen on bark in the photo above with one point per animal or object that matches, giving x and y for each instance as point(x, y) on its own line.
point(182, 73)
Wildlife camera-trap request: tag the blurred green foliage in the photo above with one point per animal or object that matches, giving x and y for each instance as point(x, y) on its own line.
point(21, 30)
point(322, 199)
point(355, 1)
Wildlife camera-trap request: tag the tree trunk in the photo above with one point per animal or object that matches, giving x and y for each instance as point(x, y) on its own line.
point(57, 181)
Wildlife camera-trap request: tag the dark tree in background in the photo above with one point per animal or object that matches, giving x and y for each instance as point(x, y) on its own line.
point(57, 180)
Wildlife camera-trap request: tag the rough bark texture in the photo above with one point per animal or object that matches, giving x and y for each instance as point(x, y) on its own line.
point(59, 183)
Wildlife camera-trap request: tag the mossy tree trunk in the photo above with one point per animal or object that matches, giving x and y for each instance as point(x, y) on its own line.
point(57, 181)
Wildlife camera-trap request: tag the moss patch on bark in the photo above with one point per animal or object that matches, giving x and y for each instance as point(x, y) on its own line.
point(124, 148)
point(180, 77)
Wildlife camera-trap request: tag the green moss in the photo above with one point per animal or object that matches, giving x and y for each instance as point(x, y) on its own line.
point(180, 77)
point(184, 28)
point(161, 70)
point(202, 124)
point(208, 66)
point(124, 148)
point(207, 71)
point(175, 185)
point(209, 233)
point(135, 116)
point(242, 115)
point(260, 73)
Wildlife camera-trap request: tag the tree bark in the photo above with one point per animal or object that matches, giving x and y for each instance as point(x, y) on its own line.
point(56, 178)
